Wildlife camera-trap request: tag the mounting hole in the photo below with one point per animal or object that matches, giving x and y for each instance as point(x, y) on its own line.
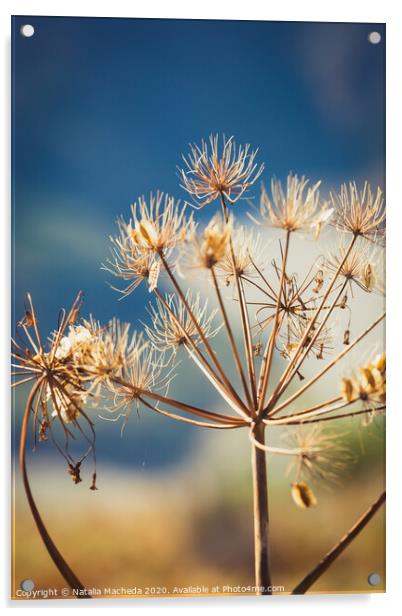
point(374, 579)
point(374, 38)
point(27, 585)
point(27, 30)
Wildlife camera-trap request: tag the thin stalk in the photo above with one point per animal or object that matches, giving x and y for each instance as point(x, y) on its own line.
point(201, 424)
point(322, 407)
point(339, 416)
point(299, 363)
point(268, 355)
point(204, 339)
point(249, 341)
point(261, 521)
point(231, 338)
point(244, 316)
point(332, 363)
point(278, 388)
point(189, 339)
point(67, 573)
point(275, 450)
point(329, 558)
point(187, 408)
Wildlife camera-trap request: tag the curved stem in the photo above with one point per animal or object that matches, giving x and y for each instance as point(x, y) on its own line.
point(54, 553)
point(329, 558)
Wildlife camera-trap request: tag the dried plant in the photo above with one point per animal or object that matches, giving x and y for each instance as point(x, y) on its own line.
point(210, 173)
point(264, 312)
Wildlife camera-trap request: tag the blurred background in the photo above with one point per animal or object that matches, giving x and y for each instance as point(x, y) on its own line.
point(102, 111)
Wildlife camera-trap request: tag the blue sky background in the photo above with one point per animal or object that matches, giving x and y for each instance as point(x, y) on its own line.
point(103, 109)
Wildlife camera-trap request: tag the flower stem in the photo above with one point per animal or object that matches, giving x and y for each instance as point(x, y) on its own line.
point(231, 338)
point(329, 558)
point(261, 523)
point(282, 384)
point(244, 316)
point(324, 370)
point(54, 553)
point(268, 355)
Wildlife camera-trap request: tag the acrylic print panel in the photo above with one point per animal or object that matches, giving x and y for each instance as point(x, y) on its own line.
point(199, 303)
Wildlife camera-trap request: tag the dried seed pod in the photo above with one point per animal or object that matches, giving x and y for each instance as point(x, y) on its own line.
point(303, 495)
point(347, 389)
point(319, 281)
point(153, 275)
point(75, 470)
point(74, 316)
point(320, 353)
point(380, 363)
point(257, 349)
point(368, 277)
point(302, 304)
point(368, 376)
point(27, 320)
point(43, 428)
point(93, 484)
point(344, 302)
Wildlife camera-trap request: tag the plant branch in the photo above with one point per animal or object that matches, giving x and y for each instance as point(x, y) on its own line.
point(329, 558)
point(231, 390)
point(201, 424)
point(268, 355)
point(54, 553)
point(317, 332)
point(231, 338)
point(296, 422)
point(244, 316)
point(332, 363)
point(277, 391)
point(187, 408)
point(261, 518)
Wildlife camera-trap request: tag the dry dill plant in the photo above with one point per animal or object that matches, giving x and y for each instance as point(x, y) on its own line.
point(280, 313)
point(68, 373)
point(289, 317)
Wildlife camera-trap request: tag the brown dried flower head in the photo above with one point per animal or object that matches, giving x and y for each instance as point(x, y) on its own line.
point(112, 347)
point(211, 247)
point(160, 224)
point(360, 212)
point(145, 371)
point(296, 330)
point(129, 262)
point(57, 380)
point(211, 173)
point(370, 385)
point(172, 325)
point(320, 454)
point(295, 208)
point(248, 249)
point(362, 265)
